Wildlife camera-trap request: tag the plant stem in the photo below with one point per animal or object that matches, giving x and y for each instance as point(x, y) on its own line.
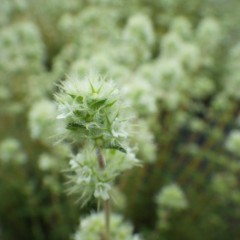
point(107, 209)
point(100, 158)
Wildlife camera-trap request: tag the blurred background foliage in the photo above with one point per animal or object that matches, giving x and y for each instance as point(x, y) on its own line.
point(178, 64)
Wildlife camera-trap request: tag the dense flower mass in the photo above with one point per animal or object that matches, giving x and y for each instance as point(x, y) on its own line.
point(92, 114)
point(41, 120)
point(176, 61)
point(172, 197)
point(87, 179)
point(91, 110)
point(233, 142)
point(91, 228)
point(10, 151)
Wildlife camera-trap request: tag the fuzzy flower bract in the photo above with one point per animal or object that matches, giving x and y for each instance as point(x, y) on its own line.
point(86, 178)
point(91, 110)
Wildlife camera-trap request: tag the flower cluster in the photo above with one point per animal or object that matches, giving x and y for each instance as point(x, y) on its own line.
point(92, 227)
point(22, 56)
point(233, 142)
point(41, 121)
point(176, 61)
point(92, 114)
point(146, 148)
point(90, 109)
point(172, 197)
point(87, 179)
point(10, 151)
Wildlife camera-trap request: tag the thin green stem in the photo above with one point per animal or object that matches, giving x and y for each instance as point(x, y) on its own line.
point(100, 158)
point(107, 209)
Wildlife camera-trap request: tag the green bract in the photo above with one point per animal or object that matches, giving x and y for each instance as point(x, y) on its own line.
point(90, 108)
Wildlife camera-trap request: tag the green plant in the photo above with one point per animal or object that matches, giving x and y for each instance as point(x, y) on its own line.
point(93, 115)
point(177, 64)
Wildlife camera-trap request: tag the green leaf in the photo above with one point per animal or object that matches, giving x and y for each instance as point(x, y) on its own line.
point(79, 99)
point(75, 126)
point(92, 88)
point(111, 103)
point(116, 146)
point(79, 113)
point(99, 89)
point(108, 121)
point(71, 95)
point(96, 104)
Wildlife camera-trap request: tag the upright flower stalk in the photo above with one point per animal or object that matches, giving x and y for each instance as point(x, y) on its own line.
point(102, 163)
point(94, 115)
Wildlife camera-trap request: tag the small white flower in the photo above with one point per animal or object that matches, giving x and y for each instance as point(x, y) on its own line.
point(84, 175)
point(92, 227)
point(233, 142)
point(172, 197)
point(46, 162)
point(118, 129)
point(102, 190)
point(73, 164)
point(90, 110)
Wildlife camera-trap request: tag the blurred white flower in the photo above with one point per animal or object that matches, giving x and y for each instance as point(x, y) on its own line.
point(11, 151)
point(233, 142)
point(92, 227)
point(172, 197)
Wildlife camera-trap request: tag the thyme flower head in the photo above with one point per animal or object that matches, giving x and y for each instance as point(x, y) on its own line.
point(91, 109)
point(233, 142)
point(86, 179)
point(172, 197)
point(92, 227)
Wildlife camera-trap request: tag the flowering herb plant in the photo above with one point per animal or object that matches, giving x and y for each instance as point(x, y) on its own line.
point(94, 115)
